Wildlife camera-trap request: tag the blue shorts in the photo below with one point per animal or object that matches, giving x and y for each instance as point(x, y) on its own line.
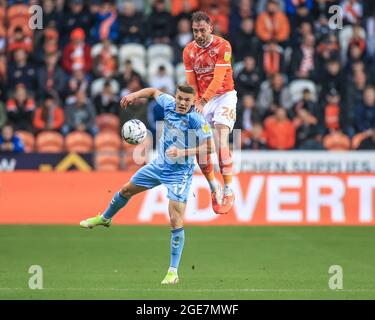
point(177, 182)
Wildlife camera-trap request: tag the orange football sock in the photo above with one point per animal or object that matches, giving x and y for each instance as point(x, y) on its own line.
point(208, 170)
point(226, 167)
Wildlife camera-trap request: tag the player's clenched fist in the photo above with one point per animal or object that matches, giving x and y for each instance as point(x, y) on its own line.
point(199, 105)
point(174, 152)
point(127, 100)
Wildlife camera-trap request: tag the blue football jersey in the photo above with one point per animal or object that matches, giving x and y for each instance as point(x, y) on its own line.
point(182, 131)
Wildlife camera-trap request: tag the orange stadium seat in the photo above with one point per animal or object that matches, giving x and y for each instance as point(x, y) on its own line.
point(358, 138)
point(79, 141)
point(50, 142)
point(2, 15)
point(18, 11)
point(27, 139)
point(18, 15)
point(2, 30)
point(107, 141)
point(108, 121)
point(107, 161)
point(223, 5)
point(336, 141)
point(25, 27)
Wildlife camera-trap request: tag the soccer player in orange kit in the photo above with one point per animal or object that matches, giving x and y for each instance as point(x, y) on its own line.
point(207, 61)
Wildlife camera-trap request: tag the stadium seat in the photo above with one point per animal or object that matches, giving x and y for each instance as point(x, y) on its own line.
point(237, 67)
point(107, 141)
point(296, 88)
point(156, 51)
point(136, 156)
point(358, 138)
point(17, 11)
point(136, 53)
point(336, 141)
point(180, 73)
point(156, 63)
point(50, 142)
point(97, 49)
point(132, 50)
point(138, 64)
point(2, 15)
point(27, 139)
point(107, 161)
point(2, 31)
point(98, 85)
point(108, 122)
point(79, 141)
point(18, 16)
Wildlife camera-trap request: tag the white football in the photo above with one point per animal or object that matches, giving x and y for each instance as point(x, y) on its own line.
point(134, 131)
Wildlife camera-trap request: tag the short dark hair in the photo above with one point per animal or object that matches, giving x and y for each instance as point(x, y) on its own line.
point(186, 88)
point(200, 16)
point(8, 124)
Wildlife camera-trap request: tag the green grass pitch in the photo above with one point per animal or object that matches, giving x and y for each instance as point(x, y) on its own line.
point(128, 262)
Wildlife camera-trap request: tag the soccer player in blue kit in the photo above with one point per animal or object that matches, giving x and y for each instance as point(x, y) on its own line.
point(185, 134)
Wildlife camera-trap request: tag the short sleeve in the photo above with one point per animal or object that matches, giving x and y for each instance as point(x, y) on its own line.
point(166, 101)
point(202, 128)
point(225, 55)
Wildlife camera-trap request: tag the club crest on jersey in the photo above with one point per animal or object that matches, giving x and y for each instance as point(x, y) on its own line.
point(227, 56)
point(212, 53)
point(206, 128)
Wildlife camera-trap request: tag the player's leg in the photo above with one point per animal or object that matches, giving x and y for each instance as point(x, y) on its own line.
point(145, 178)
point(225, 157)
point(204, 160)
point(226, 166)
point(121, 198)
point(224, 119)
point(178, 186)
point(176, 214)
point(119, 201)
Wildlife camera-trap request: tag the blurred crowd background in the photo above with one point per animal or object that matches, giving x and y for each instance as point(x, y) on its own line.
point(302, 83)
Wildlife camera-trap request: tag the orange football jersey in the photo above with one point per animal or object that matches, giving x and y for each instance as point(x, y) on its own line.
point(202, 62)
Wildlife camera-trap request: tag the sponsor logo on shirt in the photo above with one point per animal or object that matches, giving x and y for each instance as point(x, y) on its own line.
point(203, 70)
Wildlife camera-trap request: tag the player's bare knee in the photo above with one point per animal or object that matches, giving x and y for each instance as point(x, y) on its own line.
point(176, 215)
point(176, 221)
point(222, 133)
point(126, 191)
point(206, 168)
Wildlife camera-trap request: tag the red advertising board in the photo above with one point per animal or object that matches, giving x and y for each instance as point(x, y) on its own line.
point(28, 197)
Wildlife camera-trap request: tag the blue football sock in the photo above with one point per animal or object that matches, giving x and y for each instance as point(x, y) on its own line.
point(177, 244)
point(117, 202)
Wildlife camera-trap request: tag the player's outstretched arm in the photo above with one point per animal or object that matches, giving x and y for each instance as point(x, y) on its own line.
point(144, 93)
point(222, 64)
point(189, 70)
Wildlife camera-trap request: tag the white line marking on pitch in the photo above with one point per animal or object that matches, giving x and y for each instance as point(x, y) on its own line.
point(193, 290)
